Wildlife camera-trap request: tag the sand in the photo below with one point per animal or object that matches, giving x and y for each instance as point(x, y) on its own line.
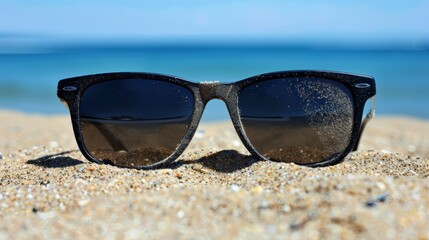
point(48, 190)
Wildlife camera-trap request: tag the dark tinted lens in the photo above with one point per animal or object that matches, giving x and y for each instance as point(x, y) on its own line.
point(134, 122)
point(297, 119)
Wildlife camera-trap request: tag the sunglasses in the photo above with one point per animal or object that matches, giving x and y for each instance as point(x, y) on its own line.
point(145, 120)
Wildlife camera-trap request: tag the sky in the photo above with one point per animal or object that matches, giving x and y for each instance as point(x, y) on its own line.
point(221, 19)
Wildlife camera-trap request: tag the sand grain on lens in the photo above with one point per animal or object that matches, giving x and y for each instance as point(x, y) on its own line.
point(214, 191)
point(337, 112)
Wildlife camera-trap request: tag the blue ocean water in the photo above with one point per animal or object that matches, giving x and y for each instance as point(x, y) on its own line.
point(28, 78)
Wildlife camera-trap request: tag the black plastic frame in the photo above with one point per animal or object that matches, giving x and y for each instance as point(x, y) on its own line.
point(361, 87)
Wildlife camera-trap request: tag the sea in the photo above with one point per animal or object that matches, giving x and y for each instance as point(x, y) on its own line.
point(29, 75)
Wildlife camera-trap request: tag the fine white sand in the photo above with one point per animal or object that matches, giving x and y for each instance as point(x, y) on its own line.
point(48, 190)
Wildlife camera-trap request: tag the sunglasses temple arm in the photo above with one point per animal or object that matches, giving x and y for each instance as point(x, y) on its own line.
point(110, 137)
point(368, 117)
point(116, 144)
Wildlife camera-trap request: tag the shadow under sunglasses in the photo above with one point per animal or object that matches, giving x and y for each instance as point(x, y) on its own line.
point(224, 161)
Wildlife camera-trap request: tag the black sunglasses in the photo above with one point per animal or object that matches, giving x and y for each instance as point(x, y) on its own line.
point(145, 120)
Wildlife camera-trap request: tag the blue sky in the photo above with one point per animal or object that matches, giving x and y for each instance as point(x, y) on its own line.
point(224, 19)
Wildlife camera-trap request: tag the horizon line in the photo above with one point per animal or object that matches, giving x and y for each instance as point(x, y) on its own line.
point(31, 43)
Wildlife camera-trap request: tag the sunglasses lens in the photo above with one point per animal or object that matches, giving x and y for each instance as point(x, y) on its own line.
point(134, 122)
point(299, 120)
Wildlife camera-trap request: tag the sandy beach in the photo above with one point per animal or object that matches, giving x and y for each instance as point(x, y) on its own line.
point(48, 190)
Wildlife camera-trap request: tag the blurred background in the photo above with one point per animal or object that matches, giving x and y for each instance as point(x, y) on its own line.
point(44, 41)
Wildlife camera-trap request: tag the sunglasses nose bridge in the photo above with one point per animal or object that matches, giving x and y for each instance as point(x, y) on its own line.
point(214, 90)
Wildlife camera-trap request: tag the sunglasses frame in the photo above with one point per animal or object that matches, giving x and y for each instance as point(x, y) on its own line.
point(361, 87)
